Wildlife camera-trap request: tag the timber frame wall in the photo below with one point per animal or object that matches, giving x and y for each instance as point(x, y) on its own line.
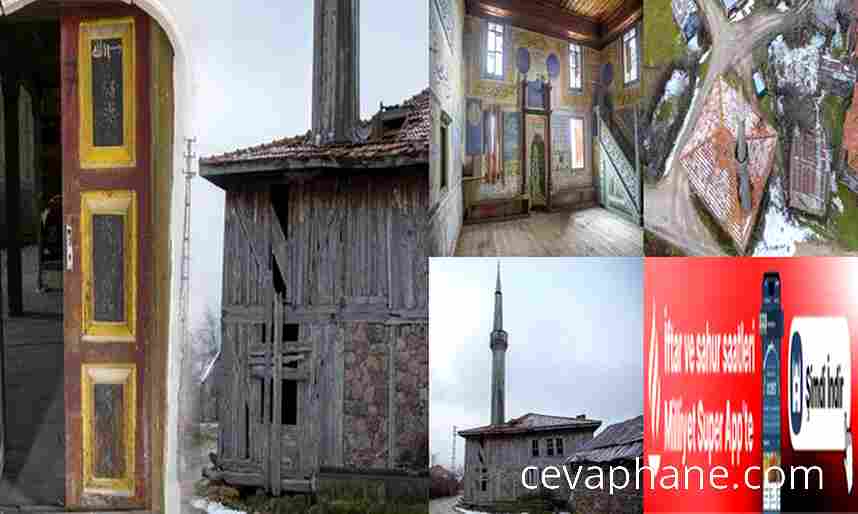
point(349, 254)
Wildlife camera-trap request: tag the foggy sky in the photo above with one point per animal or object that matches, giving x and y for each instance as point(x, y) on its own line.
point(253, 61)
point(575, 341)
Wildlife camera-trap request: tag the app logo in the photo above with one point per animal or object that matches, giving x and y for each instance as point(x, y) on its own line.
point(820, 383)
point(796, 379)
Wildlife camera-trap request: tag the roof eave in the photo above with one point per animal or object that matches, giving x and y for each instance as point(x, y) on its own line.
point(499, 431)
point(285, 170)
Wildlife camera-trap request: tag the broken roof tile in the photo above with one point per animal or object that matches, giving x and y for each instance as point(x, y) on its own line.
point(410, 140)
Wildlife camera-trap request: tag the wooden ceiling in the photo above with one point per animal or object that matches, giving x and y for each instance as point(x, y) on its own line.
point(591, 22)
point(594, 9)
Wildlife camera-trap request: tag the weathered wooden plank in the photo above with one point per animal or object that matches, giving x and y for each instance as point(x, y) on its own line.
point(276, 377)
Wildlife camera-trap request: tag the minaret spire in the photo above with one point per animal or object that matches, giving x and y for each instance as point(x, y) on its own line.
point(498, 304)
point(498, 346)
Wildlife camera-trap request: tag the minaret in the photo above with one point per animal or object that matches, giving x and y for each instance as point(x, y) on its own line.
point(336, 74)
point(498, 346)
point(744, 178)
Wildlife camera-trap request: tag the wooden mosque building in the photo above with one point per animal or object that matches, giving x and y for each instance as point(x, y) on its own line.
point(325, 290)
point(95, 114)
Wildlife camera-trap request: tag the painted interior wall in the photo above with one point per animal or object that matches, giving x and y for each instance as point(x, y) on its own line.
point(488, 94)
point(571, 187)
point(446, 61)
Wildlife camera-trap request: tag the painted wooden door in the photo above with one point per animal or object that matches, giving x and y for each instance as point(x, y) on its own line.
point(106, 171)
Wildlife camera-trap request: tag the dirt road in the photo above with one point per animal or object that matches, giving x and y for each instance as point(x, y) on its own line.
point(669, 207)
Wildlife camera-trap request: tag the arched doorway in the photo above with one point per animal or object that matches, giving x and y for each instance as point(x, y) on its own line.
point(91, 211)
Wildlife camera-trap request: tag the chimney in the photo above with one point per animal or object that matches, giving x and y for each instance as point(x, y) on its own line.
point(498, 345)
point(336, 75)
point(744, 177)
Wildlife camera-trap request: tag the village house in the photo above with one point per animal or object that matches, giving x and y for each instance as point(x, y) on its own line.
point(95, 116)
point(728, 160)
point(325, 293)
point(836, 77)
point(810, 172)
point(497, 454)
point(534, 110)
point(618, 446)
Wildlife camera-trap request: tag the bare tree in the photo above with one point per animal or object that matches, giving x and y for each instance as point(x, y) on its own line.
point(205, 342)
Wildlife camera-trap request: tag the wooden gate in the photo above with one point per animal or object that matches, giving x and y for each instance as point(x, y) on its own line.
point(107, 257)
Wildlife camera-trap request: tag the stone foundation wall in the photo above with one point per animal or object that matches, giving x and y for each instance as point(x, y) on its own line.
point(411, 397)
point(586, 501)
point(386, 396)
point(365, 396)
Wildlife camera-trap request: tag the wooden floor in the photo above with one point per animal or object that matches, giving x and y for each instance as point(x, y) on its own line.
point(593, 232)
point(34, 470)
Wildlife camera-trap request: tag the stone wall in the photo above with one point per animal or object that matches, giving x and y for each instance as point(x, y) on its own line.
point(365, 398)
point(586, 501)
point(411, 394)
point(385, 397)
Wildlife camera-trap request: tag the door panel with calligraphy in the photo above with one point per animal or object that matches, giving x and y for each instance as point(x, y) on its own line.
point(106, 169)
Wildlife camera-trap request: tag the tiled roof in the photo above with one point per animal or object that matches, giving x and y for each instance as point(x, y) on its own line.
point(710, 161)
point(810, 167)
point(534, 423)
point(619, 441)
point(411, 141)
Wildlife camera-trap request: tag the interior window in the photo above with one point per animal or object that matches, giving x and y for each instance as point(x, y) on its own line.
point(575, 70)
point(576, 128)
point(630, 55)
point(494, 50)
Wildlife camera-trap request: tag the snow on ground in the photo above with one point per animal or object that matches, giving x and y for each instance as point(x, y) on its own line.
point(744, 13)
point(694, 45)
point(783, 7)
point(677, 85)
point(838, 203)
point(781, 233)
point(213, 507)
point(797, 66)
point(668, 164)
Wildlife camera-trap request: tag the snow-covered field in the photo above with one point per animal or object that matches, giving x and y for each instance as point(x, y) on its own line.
point(668, 164)
point(781, 233)
point(677, 85)
point(213, 507)
point(797, 67)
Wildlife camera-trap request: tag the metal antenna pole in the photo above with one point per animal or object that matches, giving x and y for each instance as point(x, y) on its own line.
point(186, 237)
point(453, 459)
point(186, 417)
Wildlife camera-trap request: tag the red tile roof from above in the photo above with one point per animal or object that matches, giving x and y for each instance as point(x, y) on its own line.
point(713, 171)
point(412, 141)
